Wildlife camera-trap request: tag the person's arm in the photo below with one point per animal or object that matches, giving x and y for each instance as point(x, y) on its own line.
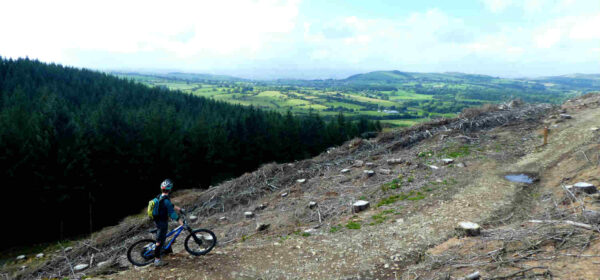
point(172, 213)
point(178, 209)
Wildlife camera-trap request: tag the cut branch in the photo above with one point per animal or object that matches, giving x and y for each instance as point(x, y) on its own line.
point(580, 225)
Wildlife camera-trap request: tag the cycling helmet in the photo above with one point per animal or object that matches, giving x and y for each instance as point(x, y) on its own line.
point(166, 185)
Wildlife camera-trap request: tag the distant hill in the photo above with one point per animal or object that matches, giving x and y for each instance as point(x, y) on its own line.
point(380, 76)
point(396, 76)
point(395, 97)
point(591, 81)
point(192, 77)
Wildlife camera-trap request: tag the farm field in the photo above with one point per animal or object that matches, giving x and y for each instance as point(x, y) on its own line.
point(395, 98)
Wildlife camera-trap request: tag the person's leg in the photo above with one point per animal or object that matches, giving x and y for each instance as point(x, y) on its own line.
point(161, 236)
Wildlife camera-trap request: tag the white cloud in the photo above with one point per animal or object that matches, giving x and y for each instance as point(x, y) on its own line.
point(497, 6)
point(212, 35)
point(537, 6)
point(548, 38)
point(49, 29)
point(586, 28)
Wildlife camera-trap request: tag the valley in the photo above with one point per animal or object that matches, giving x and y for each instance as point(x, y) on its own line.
point(397, 99)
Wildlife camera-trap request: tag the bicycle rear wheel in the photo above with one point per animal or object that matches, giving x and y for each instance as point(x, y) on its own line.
point(200, 242)
point(141, 253)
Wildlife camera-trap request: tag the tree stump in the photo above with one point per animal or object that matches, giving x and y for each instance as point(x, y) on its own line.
point(394, 161)
point(360, 205)
point(469, 228)
point(447, 161)
point(385, 171)
point(585, 187)
point(473, 276)
point(261, 206)
point(262, 226)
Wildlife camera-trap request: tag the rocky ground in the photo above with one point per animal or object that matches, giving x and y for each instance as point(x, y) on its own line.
point(417, 199)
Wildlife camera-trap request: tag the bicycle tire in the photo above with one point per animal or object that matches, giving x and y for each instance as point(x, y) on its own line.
point(131, 253)
point(205, 236)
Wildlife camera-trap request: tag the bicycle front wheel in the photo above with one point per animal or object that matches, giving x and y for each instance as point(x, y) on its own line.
point(141, 253)
point(200, 242)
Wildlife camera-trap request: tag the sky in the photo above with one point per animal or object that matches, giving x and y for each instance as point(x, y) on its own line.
point(308, 39)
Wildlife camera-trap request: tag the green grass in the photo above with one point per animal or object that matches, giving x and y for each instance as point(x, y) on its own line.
point(402, 122)
point(426, 154)
point(353, 225)
point(284, 238)
point(457, 151)
point(412, 196)
point(394, 184)
point(378, 219)
point(335, 229)
point(382, 216)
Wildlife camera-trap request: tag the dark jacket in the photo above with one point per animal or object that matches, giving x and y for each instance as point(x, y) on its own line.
point(166, 210)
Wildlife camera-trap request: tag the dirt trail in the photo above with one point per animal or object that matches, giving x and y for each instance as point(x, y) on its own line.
point(396, 246)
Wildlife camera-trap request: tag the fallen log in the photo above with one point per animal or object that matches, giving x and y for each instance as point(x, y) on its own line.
point(580, 225)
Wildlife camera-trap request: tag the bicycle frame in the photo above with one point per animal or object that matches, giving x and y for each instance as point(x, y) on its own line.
point(176, 231)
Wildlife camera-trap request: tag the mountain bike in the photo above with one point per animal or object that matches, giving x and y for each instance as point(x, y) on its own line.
point(198, 242)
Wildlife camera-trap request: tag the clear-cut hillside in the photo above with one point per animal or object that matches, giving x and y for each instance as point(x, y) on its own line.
point(425, 181)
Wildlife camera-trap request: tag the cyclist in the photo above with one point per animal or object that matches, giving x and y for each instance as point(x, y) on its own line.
point(166, 210)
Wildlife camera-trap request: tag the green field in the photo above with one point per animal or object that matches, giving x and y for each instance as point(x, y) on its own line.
point(396, 98)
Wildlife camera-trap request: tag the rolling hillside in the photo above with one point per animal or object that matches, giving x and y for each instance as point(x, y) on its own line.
point(394, 97)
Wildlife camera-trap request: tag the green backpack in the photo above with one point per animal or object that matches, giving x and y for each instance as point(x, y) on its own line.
point(153, 206)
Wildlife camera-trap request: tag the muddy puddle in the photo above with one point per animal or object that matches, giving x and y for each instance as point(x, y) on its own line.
point(521, 178)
